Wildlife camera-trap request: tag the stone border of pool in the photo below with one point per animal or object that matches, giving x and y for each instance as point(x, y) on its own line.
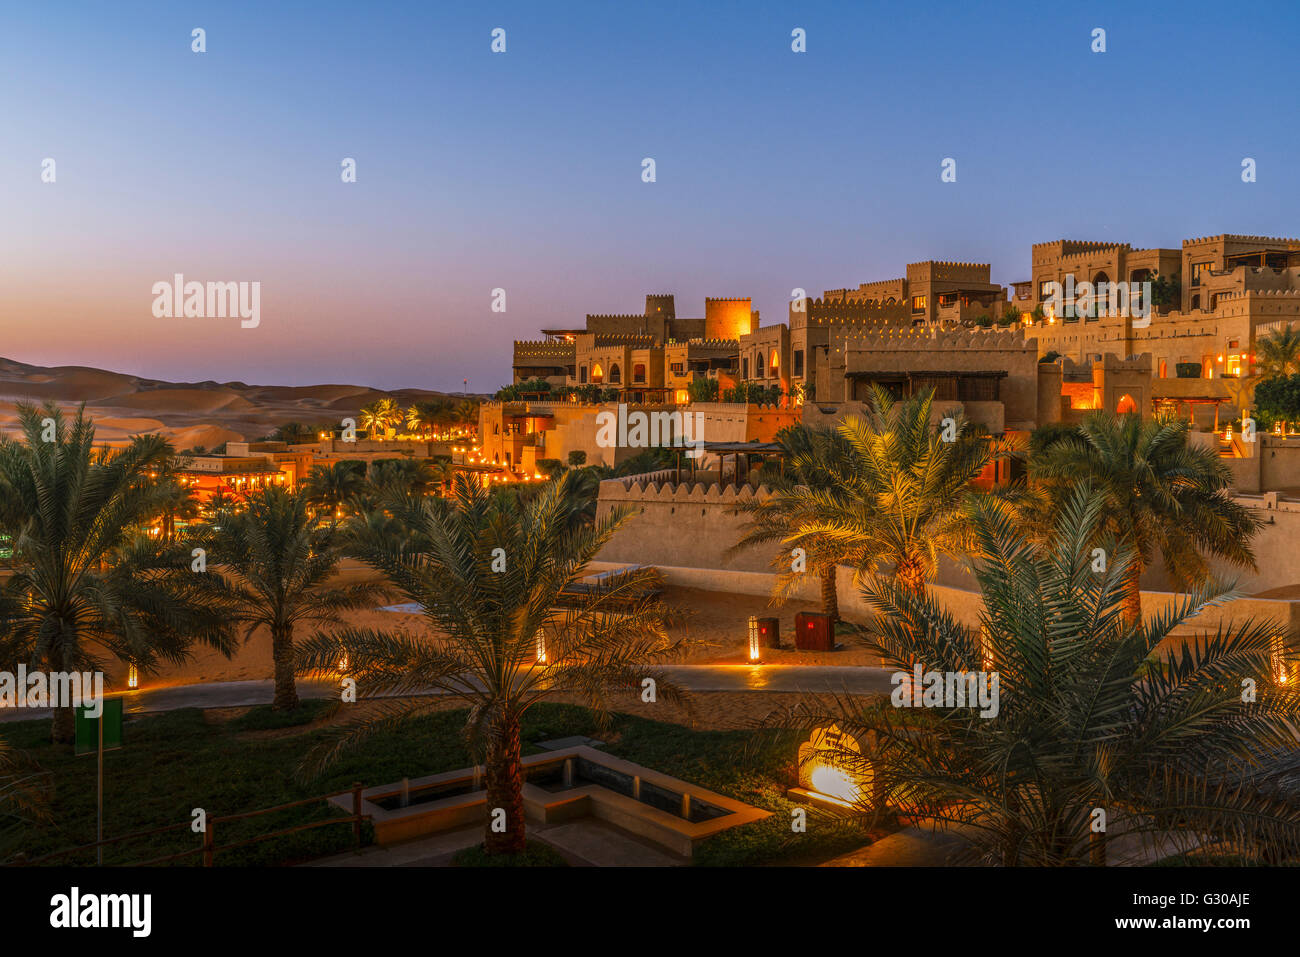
point(666, 830)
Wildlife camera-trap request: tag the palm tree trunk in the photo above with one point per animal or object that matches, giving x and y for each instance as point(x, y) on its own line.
point(505, 789)
point(830, 596)
point(911, 575)
point(1133, 595)
point(64, 728)
point(286, 692)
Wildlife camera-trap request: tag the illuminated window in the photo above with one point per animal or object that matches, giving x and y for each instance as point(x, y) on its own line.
point(776, 362)
point(918, 304)
point(597, 372)
point(1197, 269)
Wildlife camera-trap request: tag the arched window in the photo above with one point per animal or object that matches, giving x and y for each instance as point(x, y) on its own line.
point(759, 370)
point(615, 376)
point(597, 372)
point(776, 362)
point(1126, 405)
point(1100, 295)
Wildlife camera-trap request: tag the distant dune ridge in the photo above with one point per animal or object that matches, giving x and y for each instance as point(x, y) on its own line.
point(189, 414)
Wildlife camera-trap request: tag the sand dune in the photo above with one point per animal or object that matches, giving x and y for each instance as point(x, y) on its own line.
point(190, 414)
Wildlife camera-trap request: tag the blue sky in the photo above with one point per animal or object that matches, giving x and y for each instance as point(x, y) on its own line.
point(522, 170)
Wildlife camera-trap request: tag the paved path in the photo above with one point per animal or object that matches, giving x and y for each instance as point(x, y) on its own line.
point(817, 679)
point(921, 845)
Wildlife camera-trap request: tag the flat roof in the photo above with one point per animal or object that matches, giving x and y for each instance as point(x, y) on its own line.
point(927, 374)
point(726, 448)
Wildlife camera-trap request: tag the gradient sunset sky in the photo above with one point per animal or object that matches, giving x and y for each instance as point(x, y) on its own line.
point(522, 170)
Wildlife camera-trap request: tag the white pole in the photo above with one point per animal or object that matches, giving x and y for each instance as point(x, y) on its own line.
point(99, 827)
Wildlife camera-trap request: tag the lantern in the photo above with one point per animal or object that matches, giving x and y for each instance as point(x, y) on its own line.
point(753, 638)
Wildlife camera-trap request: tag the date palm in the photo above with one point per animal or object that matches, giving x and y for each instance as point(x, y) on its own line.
point(87, 581)
point(334, 488)
point(815, 467)
point(1278, 353)
point(1176, 752)
point(24, 797)
point(495, 578)
point(902, 489)
point(380, 415)
point(404, 476)
point(1162, 493)
point(429, 416)
point(276, 565)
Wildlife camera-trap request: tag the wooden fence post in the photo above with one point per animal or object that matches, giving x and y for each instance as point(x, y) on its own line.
point(209, 842)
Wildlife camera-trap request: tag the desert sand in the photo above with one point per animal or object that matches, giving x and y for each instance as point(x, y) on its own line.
point(189, 414)
point(714, 630)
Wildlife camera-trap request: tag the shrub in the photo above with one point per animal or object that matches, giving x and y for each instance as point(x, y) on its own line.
point(577, 457)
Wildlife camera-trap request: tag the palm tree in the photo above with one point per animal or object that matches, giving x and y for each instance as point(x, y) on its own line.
point(1278, 354)
point(429, 416)
point(86, 580)
point(1162, 494)
point(514, 634)
point(902, 490)
point(276, 564)
point(815, 467)
point(333, 488)
point(405, 476)
point(24, 797)
point(466, 414)
point(380, 415)
point(1085, 715)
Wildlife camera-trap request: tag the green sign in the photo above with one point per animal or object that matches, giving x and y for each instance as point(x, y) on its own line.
point(87, 740)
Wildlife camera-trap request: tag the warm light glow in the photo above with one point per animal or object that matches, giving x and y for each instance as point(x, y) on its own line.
point(541, 648)
point(132, 677)
point(835, 783)
point(753, 638)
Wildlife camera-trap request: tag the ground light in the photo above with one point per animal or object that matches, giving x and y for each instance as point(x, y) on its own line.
point(541, 647)
point(832, 771)
point(132, 676)
point(753, 639)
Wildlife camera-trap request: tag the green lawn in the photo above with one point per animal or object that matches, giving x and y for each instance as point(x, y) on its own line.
point(176, 761)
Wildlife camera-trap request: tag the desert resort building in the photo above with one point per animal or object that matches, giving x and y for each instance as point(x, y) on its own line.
point(1008, 357)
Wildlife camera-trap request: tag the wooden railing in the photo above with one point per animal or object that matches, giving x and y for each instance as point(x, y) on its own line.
point(208, 846)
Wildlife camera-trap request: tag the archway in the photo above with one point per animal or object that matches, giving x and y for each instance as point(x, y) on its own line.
point(597, 373)
point(615, 375)
point(1100, 295)
point(1126, 405)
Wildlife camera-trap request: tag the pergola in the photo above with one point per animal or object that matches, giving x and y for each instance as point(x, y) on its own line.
point(1192, 402)
point(739, 451)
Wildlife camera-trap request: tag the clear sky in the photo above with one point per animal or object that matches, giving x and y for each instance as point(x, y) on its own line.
point(522, 170)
